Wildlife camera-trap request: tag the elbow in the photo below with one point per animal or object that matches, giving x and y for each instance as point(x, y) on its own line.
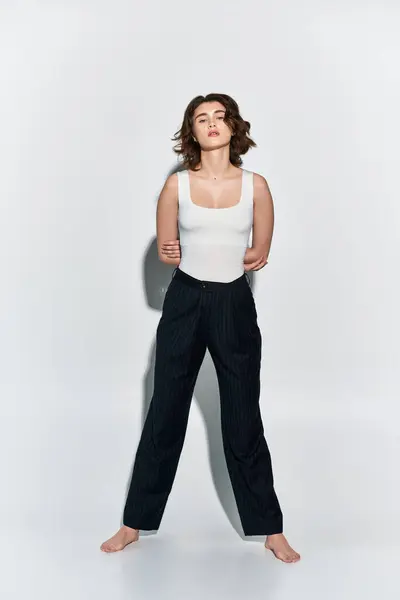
point(161, 256)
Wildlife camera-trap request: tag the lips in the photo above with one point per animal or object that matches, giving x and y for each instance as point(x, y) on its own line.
point(213, 134)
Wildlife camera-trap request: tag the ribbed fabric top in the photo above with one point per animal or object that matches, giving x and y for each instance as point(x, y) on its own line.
point(214, 240)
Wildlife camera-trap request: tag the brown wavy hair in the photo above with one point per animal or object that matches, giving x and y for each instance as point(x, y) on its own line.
point(190, 151)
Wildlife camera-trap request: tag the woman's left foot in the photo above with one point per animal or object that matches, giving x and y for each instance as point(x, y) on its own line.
point(280, 547)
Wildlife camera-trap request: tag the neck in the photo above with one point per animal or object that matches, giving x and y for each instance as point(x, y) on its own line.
point(215, 164)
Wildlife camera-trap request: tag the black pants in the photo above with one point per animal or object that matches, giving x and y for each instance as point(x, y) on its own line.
point(221, 317)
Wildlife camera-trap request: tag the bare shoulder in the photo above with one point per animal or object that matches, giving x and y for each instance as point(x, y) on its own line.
point(260, 183)
point(171, 183)
point(169, 192)
point(261, 191)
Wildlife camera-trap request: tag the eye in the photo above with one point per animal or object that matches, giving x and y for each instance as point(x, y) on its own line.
point(201, 120)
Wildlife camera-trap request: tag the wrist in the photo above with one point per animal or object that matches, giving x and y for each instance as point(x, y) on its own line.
point(250, 256)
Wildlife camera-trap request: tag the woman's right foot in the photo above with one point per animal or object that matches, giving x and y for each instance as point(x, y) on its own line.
point(122, 538)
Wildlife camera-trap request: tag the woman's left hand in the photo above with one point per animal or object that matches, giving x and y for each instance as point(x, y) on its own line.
point(257, 265)
point(252, 260)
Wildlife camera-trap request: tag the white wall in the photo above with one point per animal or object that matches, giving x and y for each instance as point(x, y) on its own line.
point(91, 95)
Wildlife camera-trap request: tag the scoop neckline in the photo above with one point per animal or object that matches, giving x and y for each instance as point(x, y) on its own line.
point(214, 207)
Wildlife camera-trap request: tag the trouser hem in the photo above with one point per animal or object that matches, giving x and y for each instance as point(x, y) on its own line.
point(273, 531)
point(143, 527)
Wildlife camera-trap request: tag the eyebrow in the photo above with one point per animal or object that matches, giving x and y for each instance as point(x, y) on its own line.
point(203, 113)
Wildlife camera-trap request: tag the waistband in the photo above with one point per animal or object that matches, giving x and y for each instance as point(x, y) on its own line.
point(210, 285)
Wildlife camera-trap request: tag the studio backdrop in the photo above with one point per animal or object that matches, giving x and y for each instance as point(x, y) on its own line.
point(91, 97)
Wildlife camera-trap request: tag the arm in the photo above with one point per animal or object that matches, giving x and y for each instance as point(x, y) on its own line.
point(256, 257)
point(167, 218)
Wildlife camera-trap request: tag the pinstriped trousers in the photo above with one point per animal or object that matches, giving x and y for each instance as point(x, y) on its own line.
point(222, 317)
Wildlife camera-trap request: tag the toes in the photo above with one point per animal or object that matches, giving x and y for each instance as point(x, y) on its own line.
point(108, 547)
point(282, 556)
point(285, 557)
point(288, 556)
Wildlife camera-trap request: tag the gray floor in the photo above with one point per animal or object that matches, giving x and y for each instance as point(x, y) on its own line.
point(338, 487)
point(61, 564)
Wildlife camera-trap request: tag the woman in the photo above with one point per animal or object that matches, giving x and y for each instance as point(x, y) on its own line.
point(209, 304)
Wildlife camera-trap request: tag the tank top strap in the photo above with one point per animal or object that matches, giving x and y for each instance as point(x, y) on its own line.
point(248, 189)
point(183, 186)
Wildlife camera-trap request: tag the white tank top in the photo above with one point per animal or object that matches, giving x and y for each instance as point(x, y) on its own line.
point(214, 240)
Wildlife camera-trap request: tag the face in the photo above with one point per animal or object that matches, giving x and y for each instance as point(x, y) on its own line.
point(209, 127)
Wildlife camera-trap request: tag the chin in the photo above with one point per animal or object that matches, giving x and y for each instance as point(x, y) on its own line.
point(216, 143)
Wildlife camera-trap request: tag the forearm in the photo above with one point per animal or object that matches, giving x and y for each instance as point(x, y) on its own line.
point(253, 254)
point(170, 261)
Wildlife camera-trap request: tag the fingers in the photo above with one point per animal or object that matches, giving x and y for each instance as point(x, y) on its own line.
point(261, 265)
point(171, 248)
point(257, 265)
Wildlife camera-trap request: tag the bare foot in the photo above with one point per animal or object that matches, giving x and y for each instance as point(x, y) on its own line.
point(280, 547)
point(122, 538)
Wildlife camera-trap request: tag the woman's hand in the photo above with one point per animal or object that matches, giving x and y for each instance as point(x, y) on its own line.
point(252, 260)
point(257, 265)
point(171, 249)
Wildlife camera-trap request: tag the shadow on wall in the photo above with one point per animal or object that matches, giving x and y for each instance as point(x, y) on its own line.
point(157, 277)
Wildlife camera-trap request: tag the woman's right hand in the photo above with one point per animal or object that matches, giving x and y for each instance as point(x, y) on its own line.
point(171, 249)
